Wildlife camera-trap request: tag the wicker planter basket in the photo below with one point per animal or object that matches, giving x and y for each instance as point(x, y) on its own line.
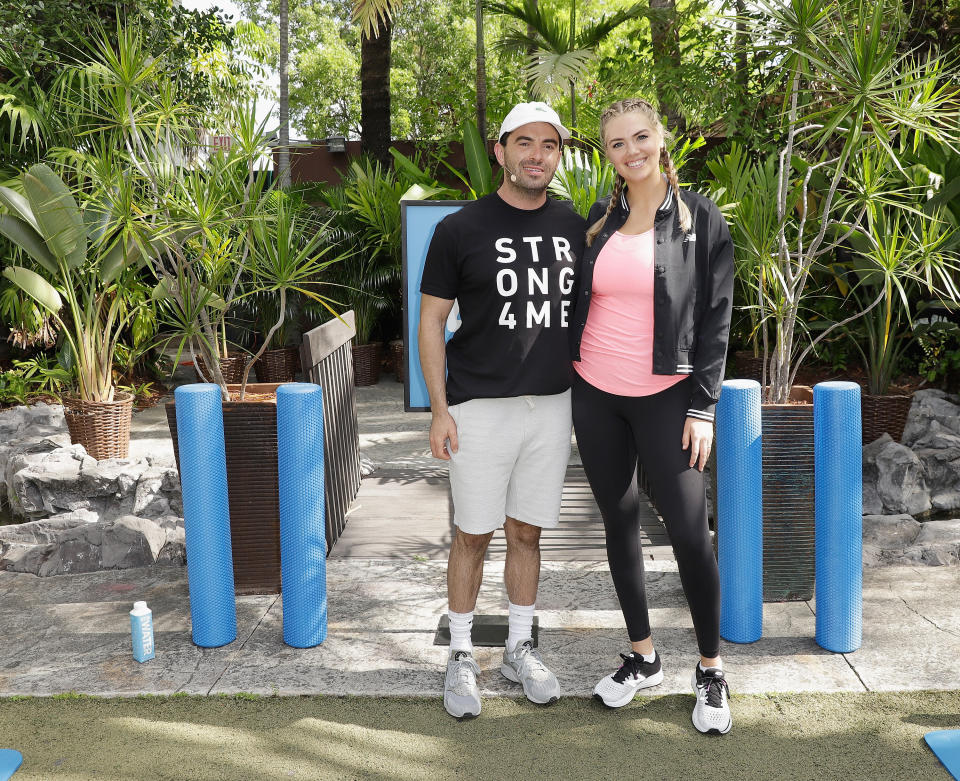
point(231, 368)
point(281, 365)
point(102, 427)
point(366, 364)
point(396, 358)
point(884, 414)
point(747, 366)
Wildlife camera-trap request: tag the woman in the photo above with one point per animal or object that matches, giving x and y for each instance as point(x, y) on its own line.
point(649, 342)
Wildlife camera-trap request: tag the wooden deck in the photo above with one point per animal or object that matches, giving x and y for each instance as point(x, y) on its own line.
point(409, 513)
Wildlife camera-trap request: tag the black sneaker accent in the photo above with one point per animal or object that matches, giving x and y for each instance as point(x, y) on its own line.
point(634, 666)
point(712, 678)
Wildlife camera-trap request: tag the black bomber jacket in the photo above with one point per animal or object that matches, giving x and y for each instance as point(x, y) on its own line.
point(692, 293)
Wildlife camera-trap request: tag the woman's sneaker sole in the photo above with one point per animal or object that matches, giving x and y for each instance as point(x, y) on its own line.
point(646, 683)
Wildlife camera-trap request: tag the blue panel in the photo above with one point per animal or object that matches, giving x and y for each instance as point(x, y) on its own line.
point(303, 541)
point(206, 514)
point(10, 760)
point(945, 744)
point(838, 465)
point(740, 511)
point(419, 220)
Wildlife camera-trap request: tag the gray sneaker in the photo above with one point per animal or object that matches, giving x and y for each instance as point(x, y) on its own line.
point(461, 697)
point(524, 666)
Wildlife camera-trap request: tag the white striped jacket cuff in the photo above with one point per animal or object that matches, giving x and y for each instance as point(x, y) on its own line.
point(700, 414)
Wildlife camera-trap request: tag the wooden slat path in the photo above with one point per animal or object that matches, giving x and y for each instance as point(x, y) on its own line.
point(408, 513)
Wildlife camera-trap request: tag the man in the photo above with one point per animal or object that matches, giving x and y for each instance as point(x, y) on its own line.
point(502, 416)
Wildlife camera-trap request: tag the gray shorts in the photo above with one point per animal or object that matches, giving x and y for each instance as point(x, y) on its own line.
point(512, 460)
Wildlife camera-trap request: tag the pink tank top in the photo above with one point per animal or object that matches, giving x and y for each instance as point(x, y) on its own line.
point(616, 352)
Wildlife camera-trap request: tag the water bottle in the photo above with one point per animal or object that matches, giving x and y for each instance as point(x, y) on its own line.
point(141, 631)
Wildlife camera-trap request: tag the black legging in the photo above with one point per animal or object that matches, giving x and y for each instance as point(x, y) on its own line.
point(611, 432)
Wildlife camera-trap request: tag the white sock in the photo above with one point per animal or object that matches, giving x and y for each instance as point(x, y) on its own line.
point(717, 666)
point(648, 658)
point(460, 626)
point(520, 623)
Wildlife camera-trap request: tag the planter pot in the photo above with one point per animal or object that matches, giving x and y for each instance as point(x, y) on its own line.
point(277, 366)
point(366, 364)
point(231, 368)
point(747, 366)
point(788, 499)
point(884, 414)
point(250, 437)
point(102, 427)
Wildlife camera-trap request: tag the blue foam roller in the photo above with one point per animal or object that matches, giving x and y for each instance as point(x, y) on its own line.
point(303, 540)
point(740, 511)
point(838, 474)
point(206, 514)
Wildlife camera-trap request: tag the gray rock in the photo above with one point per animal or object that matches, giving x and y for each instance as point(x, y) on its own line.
point(901, 483)
point(155, 489)
point(71, 543)
point(942, 474)
point(872, 503)
point(936, 555)
point(890, 531)
point(46, 482)
point(939, 531)
point(174, 550)
point(929, 406)
point(131, 542)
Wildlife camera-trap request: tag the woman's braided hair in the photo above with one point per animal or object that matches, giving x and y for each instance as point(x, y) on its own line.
point(624, 107)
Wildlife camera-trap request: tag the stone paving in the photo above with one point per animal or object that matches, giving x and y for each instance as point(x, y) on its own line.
point(71, 632)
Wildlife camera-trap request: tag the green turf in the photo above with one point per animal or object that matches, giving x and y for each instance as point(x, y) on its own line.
point(849, 737)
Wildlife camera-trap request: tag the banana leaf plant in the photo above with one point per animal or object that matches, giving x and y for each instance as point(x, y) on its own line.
point(73, 260)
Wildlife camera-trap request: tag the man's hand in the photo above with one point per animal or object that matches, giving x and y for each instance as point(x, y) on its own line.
point(442, 429)
point(698, 436)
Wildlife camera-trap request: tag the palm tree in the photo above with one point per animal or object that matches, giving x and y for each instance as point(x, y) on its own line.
point(283, 161)
point(665, 43)
point(376, 26)
point(560, 52)
point(481, 72)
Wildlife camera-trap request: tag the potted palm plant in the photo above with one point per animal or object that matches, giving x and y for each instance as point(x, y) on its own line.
point(77, 255)
point(849, 94)
point(220, 235)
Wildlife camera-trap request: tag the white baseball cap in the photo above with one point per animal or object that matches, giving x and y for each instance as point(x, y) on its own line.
point(525, 113)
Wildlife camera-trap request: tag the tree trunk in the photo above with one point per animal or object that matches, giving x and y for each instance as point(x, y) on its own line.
point(740, 46)
point(665, 43)
point(283, 161)
point(481, 73)
point(531, 32)
point(573, 46)
point(375, 92)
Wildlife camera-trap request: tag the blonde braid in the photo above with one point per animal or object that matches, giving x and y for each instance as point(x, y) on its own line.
point(614, 199)
point(683, 211)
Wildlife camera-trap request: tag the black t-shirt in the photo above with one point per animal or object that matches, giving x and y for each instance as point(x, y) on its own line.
point(512, 274)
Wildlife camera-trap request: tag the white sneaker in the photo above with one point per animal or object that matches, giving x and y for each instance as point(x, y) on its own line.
point(461, 695)
point(711, 714)
point(524, 666)
point(619, 688)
